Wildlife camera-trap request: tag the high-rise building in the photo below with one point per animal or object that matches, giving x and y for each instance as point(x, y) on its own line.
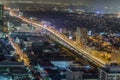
point(1, 12)
point(110, 72)
point(81, 35)
point(73, 74)
point(1, 22)
point(1, 17)
point(84, 35)
point(70, 34)
point(78, 35)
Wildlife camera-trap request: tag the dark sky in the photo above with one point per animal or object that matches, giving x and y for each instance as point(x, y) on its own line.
point(87, 2)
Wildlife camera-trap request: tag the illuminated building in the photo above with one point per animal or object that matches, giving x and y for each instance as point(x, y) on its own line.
point(1, 12)
point(78, 35)
point(110, 72)
point(70, 35)
point(73, 74)
point(81, 35)
point(13, 71)
point(1, 22)
point(84, 35)
point(80, 73)
point(1, 17)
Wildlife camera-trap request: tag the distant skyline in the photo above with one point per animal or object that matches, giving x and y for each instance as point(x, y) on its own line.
point(84, 2)
point(100, 5)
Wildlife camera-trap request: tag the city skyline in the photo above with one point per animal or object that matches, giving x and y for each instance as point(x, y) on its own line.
point(84, 2)
point(59, 39)
point(103, 6)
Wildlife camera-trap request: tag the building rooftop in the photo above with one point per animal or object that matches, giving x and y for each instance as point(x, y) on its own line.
point(90, 76)
point(84, 69)
point(12, 63)
point(51, 71)
point(18, 70)
point(46, 64)
point(5, 77)
point(112, 68)
point(62, 58)
point(3, 70)
point(13, 70)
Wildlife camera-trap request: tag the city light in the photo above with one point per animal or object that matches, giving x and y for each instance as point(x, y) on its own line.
point(59, 39)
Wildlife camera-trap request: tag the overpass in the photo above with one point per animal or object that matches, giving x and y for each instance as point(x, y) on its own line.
point(62, 39)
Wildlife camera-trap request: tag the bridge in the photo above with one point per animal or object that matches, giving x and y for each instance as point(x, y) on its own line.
point(62, 39)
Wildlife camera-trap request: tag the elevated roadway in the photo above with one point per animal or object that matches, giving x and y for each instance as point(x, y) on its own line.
point(60, 37)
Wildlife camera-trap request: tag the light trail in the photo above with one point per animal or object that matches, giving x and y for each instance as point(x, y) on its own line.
point(71, 43)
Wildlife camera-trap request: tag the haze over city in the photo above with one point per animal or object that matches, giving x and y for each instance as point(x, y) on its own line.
point(85, 2)
point(59, 40)
point(103, 6)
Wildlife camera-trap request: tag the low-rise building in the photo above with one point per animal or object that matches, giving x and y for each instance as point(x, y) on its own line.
point(14, 71)
point(80, 73)
point(110, 72)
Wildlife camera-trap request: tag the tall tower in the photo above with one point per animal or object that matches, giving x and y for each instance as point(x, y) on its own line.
point(1, 11)
point(81, 35)
point(78, 34)
point(1, 22)
point(1, 17)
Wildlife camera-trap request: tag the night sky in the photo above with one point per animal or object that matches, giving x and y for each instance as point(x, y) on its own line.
point(87, 2)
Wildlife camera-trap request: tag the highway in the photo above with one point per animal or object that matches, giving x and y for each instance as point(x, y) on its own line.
point(71, 43)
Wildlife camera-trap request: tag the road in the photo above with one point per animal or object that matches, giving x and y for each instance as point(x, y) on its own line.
point(22, 55)
point(71, 43)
